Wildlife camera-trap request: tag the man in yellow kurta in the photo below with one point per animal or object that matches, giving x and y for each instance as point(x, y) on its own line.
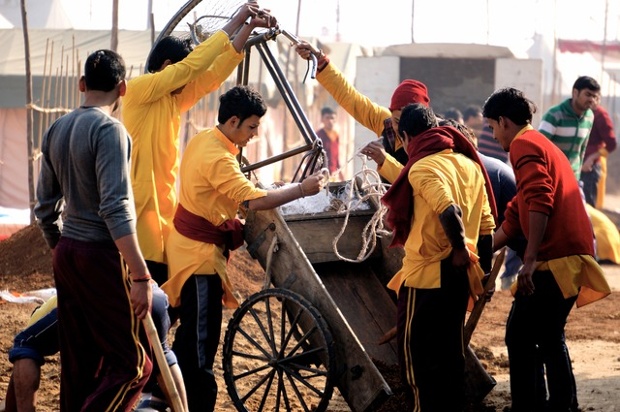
point(439, 210)
point(381, 120)
point(205, 228)
point(177, 79)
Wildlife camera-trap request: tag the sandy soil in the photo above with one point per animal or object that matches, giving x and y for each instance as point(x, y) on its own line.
point(593, 332)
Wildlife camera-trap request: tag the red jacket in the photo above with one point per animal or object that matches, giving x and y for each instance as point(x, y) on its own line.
point(602, 133)
point(547, 184)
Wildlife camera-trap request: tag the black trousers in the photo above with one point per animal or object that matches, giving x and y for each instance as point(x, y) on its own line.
point(536, 344)
point(430, 342)
point(197, 338)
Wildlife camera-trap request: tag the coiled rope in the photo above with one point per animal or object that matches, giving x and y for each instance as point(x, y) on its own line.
point(367, 181)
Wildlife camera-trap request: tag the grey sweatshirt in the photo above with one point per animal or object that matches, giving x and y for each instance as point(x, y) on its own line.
point(85, 174)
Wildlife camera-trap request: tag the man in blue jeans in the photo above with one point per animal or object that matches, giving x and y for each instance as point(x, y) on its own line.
point(40, 339)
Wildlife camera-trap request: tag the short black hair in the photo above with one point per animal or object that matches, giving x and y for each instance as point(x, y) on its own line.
point(510, 103)
point(453, 113)
point(327, 110)
point(471, 111)
point(416, 118)
point(104, 70)
point(586, 82)
point(170, 48)
point(241, 101)
point(465, 131)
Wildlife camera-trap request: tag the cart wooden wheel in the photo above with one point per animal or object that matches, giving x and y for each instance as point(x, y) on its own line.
point(278, 354)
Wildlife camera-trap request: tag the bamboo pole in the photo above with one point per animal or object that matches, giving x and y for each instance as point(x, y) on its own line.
point(114, 37)
point(48, 94)
point(29, 113)
point(40, 129)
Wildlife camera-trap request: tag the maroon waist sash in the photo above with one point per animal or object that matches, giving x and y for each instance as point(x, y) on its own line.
point(229, 234)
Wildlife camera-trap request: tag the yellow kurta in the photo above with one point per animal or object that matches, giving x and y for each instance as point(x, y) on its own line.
point(152, 115)
point(438, 181)
point(577, 275)
point(212, 187)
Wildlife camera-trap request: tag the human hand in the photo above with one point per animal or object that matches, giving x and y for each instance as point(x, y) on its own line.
point(375, 151)
point(525, 284)
point(588, 163)
point(489, 289)
point(141, 298)
point(263, 18)
point(460, 258)
point(313, 183)
point(249, 9)
point(306, 50)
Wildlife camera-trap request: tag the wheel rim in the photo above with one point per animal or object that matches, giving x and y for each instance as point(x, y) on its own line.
point(278, 353)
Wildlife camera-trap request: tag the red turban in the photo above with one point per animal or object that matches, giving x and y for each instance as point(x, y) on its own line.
point(409, 91)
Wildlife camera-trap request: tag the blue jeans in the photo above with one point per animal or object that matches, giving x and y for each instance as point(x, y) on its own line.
point(41, 338)
point(589, 182)
point(535, 337)
point(38, 340)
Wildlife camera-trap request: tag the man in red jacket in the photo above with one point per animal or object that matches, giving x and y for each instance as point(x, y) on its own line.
point(558, 264)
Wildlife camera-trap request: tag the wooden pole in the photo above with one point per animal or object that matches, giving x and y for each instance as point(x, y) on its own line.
point(151, 331)
point(29, 113)
point(476, 312)
point(114, 37)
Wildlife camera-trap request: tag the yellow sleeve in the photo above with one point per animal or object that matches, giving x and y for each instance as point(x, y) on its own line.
point(226, 177)
point(153, 86)
point(390, 169)
point(211, 79)
point(369, 114)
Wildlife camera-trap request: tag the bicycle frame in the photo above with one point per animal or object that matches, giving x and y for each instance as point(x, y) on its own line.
point(313, 144)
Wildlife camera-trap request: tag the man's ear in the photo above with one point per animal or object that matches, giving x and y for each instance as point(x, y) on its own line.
point(234, 122)
point(82, 84)
point(165, 64)
point(122, 88)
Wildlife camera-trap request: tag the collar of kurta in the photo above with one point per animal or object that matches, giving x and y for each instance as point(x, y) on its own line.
point(232, 148)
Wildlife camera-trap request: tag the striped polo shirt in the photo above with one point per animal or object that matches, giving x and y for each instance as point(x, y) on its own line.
point(568, 131)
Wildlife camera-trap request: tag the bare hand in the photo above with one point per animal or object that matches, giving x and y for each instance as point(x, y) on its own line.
point(460, 258)
point(588, 163)
point(141, 298)
point(263, 18)
point(249, 9)
point(306, 50)
point(491, 288)
point(313, 183)
point(525, 284)
point(375, 151)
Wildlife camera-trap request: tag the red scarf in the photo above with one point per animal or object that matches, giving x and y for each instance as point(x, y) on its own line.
point(399, 197)
point(229, 234)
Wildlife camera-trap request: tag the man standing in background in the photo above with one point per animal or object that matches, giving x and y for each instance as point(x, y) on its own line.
point(601, 143)
point(331, 140)
point(568, 124)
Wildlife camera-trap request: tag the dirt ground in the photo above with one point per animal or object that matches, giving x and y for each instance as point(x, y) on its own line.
point(593, 332)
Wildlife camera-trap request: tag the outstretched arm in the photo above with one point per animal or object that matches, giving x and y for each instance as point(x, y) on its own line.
point(277, 197)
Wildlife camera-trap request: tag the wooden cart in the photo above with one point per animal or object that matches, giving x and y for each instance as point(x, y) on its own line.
point(321, 322)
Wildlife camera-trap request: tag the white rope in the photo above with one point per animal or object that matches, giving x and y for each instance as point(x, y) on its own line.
point(372, 186)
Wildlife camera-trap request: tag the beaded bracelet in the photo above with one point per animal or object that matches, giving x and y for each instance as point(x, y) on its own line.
point(301, 190)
